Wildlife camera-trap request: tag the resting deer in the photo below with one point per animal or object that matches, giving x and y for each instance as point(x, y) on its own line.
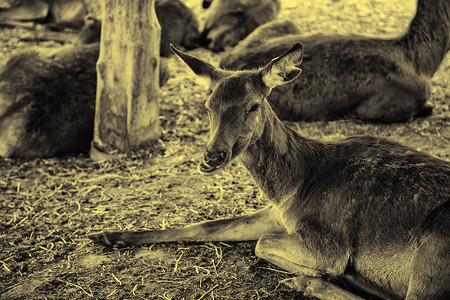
point(179, 26)
point(229, 21)
point(47, 101)
point(57, 13)
point(380, 80)
point(365, 209)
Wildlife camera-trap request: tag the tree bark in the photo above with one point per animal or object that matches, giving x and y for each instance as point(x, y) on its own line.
point(127, 106)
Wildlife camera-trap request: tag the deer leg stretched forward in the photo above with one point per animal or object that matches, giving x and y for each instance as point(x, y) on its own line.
point(244, 228)
point(365, 210)
point(274, 245)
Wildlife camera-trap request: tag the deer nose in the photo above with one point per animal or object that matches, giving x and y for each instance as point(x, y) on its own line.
point(203, 40)
point(215, 158)
point(206, 3)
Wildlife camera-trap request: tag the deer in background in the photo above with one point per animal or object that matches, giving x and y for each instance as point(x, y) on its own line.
point(47, 101)
point(57, 14)
point(258, 38)
point(380, 80)
point(229, 21)
point(365, 210)
point(179, 26)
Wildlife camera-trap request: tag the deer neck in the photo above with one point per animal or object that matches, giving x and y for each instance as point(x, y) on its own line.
point(428, 38)
point(281, 160)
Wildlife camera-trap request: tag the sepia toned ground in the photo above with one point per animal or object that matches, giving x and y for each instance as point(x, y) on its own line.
point(48, 206)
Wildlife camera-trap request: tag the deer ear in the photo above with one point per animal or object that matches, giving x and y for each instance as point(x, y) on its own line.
point(201, 67)
point(284, 68)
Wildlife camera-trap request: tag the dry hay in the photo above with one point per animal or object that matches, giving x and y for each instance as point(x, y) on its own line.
point(50, 205)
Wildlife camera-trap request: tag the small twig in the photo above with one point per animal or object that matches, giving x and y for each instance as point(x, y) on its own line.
point(5, 266)
point(47, 249)
point(134, 290)
point(117, 279)
point(85, 191)
point(78, 209)
point(2, 292)
point(214, 265)
point(112, 293)
point(198, 267)
point(23, 220)
point(176, 263)
point(75, 285)
point(210, 290)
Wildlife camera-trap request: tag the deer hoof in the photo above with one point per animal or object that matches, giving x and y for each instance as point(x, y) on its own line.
point(108, 239)
point(295, 284)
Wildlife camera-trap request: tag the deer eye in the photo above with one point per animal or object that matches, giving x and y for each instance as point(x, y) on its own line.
point(253, 108)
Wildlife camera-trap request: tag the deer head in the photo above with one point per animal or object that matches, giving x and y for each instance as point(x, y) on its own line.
point(237, 106)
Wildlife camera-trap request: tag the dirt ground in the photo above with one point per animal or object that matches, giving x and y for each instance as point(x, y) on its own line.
point(48, 206)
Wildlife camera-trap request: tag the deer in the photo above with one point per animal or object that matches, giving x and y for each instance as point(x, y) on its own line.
point(178, 22)
point(179, 26)
point(370, 79)
point(258, 37)
point(90, 32)
point(229, 21)
point(56, 14)
point(365, 210)
point(47, 101)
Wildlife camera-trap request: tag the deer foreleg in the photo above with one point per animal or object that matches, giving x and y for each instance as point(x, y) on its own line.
point(296, 252)
point(319, 288)
point(244, 228)
point(292, 253)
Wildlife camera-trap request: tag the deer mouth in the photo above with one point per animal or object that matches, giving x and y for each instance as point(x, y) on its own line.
point(203, 167)
point(206, 166)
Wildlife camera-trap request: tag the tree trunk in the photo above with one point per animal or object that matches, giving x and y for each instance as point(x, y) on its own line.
point(127, 107)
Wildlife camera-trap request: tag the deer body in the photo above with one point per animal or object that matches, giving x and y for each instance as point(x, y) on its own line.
point(383, 80)
point(229, 21)
point(364, 199)
point(365, 209)
point(179, 26)
point(47, 101)
point(325, 194)
point(376, 86)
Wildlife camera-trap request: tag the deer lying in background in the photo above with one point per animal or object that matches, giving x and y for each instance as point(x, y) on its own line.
point(58, 13)
point(256, 43)
point(90, 32)
point(47, 101)
point(179, 26)
point(229, 21)
point(364, 209)
point(258, 38)
point(381, 80)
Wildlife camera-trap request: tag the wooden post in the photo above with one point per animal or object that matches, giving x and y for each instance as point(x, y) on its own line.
point(127, 107)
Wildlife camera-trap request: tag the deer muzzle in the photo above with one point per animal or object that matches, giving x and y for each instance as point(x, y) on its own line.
point(212, 160)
